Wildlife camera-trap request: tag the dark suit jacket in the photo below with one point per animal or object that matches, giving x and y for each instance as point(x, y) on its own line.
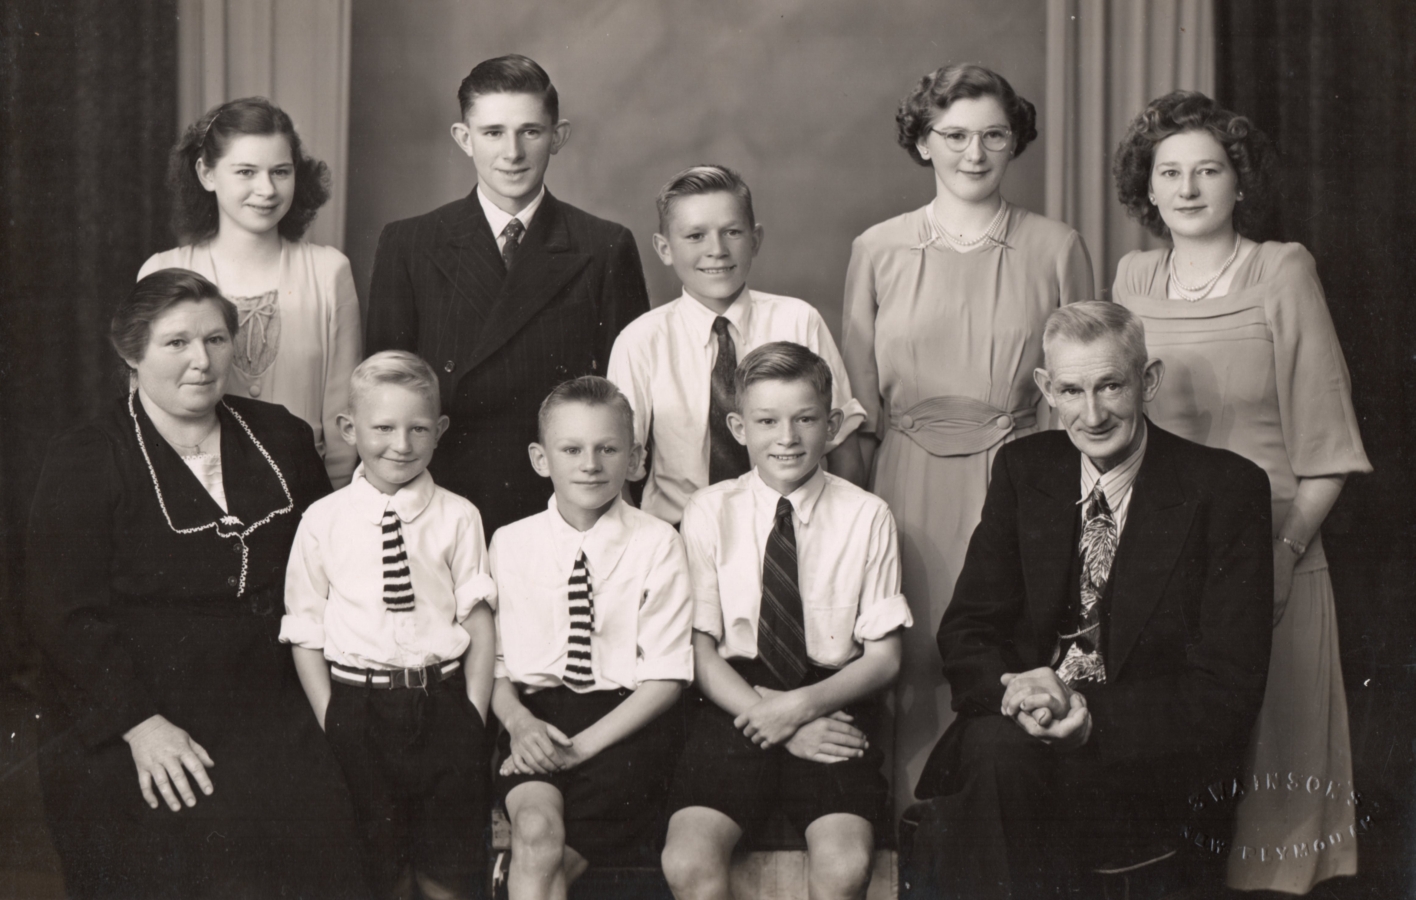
point(500, 341)
point(1187, 622)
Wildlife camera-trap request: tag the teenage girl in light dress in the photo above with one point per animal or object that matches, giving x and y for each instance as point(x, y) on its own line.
point(243, 193)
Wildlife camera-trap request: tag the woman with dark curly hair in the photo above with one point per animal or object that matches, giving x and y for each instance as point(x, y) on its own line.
point(1253, 365)
point(243, 193)
point(944, 311)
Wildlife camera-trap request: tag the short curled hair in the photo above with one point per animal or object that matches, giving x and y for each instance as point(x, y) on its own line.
point(782, 361)
point(510, 74)
point(940, 88)
point(131, 326)
point(703, 179)
point(398, 367)
point(194, 212)
point(1092, 320)
point(1248, 149)
point(588, 390)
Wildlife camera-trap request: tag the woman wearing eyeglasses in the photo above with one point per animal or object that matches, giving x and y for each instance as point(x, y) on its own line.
point(1252, 364)
point(944, 311)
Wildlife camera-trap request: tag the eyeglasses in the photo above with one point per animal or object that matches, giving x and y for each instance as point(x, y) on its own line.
point(957, 140)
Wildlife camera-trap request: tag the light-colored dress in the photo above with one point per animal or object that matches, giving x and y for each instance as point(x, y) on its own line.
point(1259, 371)
point(296, 346)
point(940, 347)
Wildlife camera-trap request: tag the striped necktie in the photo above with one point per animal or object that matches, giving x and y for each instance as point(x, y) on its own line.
point(578, 674)
point(781, 634)
point(398, 580)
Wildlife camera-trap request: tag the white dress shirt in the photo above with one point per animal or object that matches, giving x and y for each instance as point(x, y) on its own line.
point(498, 217)
point(334, 583)
point(848, 565)
point(663, 362)
point(1115, 484)
point(638, 580)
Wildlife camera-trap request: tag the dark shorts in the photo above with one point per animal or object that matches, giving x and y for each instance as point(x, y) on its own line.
point(614, 802)
point(724, 770)
point(418, 770)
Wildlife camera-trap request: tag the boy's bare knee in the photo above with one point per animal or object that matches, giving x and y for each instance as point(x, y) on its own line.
point(840, 856)
point(537, 838)
point(688, 863)
point(698, 852)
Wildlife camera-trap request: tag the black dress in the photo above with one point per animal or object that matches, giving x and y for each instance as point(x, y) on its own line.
point(137, 619)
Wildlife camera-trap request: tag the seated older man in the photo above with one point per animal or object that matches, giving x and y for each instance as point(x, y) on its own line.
point(1108, 637)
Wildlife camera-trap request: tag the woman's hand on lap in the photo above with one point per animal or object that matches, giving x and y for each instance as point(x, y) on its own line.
point(164, 755)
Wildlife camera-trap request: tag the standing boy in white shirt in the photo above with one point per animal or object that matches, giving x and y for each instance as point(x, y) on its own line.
point(797, 618)
point(388, 605)
point(676, 362)
point(593, 628)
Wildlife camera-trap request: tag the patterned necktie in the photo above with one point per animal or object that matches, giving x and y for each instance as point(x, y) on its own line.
point(578, 675)
point(1083, 661)
point(726, 457)
point(512, 232)
point(781, 636)
point(398, 580)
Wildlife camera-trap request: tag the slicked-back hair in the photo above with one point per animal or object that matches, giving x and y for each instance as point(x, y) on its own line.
point(1248, 149)
point(1093, 320)
point(510, 74)
point(400, 367)
point(589, 390)
point(131, 326)
point(194, 211)
point(783, 361)
point(703, 179)
point(940, 88)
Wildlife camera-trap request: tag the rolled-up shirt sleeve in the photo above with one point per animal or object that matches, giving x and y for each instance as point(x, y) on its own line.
point(882, 606)
point(471, 570)
point(699, 543)
point(665, 633)
point(306, 592)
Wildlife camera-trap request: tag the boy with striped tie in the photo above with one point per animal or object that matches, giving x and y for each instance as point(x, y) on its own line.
point(797, 613)
point(593, 646)
point(388, 602)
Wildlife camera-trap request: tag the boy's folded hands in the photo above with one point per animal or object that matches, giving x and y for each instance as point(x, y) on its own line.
point(780, 718)
point(537, 747)
point(830, 739)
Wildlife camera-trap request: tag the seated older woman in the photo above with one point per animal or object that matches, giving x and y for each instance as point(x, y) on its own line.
point(180, 758)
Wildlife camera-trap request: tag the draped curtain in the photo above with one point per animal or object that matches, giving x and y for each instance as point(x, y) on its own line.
point(1331, 82)
point(87, 105)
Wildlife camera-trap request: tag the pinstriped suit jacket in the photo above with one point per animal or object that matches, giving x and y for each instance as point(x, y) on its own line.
point(501, 340)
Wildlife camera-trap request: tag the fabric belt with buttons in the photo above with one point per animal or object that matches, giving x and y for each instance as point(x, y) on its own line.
point(959, 426)
point(388, 679)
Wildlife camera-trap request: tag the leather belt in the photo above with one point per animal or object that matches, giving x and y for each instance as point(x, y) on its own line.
point(959, 426)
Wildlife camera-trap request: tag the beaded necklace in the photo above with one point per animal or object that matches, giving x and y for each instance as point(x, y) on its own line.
point(960, 245)
point(231, 524)
point(1196, 294)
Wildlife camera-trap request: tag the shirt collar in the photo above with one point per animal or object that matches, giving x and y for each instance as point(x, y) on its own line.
point(498, 217)
point(700, 318)
point(803, 499)
point(409, 502)
point(1117, 482)
point(603, 544)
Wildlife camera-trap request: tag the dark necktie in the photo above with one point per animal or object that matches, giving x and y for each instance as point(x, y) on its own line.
point(726, 457)
point(512, 232)
point(578, 674)
point(1083, 661)
point(398, 580)
point(781, 634)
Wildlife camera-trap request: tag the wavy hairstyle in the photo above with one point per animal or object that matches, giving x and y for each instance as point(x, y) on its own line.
point(131, 326)
point(1248, 149)
point(940, 88)
point(194, 212)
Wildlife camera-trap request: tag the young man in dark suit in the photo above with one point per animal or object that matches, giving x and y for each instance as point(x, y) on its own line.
point(507, 292)
point(1107, 642)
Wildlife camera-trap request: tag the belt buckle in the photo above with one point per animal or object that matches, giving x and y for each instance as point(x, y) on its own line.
point(408, 678)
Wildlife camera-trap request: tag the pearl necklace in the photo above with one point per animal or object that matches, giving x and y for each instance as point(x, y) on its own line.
point(1196, 294)
point(987, 233)
point(231, 524)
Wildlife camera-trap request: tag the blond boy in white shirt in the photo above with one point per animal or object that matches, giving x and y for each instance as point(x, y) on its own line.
point(797, 618)
point(676, 362)
point(594, 621)
point(388, 605)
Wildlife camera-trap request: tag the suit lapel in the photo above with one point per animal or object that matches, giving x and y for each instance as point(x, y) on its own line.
point(1156, 527)
point(468, 257)
point(1048, 525)
point(544, 265)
